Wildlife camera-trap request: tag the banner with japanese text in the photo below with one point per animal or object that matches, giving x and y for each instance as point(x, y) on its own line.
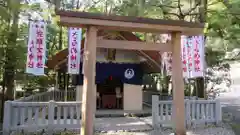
point(74, 50)
point(167, 58)
point(198, 56)
point(192, 57)
point(36, 53)
point(185, 66)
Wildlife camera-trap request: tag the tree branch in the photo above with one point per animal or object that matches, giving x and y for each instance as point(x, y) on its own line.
point(192, 9)
point(94, 3)
point(78, 4)
point(181, 15)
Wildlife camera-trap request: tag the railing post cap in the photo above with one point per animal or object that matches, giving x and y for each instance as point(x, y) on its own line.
point(8, 101)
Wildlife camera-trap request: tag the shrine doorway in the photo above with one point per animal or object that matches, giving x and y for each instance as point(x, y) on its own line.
point(110, 94)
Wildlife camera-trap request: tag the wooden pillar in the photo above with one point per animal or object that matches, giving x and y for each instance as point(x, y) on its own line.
point(178, 85)
point(88, 99)
point(56, 78)
point(78, 87)
point(61, 80)
point(64, 80)
point(78, 93)
point(65, 87)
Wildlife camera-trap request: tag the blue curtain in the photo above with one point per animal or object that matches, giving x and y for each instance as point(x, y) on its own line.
point(127, 73)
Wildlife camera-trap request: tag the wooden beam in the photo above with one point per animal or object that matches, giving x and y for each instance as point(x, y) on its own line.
point(129, 26)
point(178, 85)
point(133, 45)
point(89, 91)
point(60, 63)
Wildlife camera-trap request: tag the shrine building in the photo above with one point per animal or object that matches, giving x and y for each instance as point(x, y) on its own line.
point(119, 73)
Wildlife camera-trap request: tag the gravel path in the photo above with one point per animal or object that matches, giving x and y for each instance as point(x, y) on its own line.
point(199, 131)
point(121, 124)
point(142, 126)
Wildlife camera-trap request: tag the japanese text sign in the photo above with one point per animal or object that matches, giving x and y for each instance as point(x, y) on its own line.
point(192, 49)
point(36, 48)
point(198, 56)
point(74, 50)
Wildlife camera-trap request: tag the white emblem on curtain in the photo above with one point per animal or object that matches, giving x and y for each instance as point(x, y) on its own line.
point(129, 73)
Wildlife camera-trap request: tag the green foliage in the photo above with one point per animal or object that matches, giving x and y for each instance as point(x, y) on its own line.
point(13, 43)
point(214, 57)
point(224, 23)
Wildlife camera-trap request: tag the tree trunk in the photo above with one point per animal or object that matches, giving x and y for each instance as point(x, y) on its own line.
point(200, 80)
point(3, 100)
point(200, 87)
point(9, 73)
point(60, 38)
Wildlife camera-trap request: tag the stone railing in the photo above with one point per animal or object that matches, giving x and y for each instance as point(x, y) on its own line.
point(34, 116)
point(196, 112)
point(50, 95)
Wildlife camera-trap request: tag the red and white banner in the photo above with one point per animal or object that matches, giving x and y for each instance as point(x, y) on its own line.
point(198, 56)
point(36, 48)
point(184, 57)
point(74, 50)
point(192, 57)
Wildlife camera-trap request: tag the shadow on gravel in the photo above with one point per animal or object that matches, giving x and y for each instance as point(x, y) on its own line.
point(231, 116)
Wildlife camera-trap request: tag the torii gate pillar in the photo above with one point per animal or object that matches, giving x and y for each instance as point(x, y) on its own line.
point(178, 85)
point(89, 92)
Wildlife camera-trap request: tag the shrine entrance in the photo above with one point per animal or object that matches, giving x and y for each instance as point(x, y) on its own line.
point(94, 22)
point(110, 94)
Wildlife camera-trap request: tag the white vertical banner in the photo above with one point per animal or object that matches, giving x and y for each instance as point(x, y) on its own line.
point(189, 48)
point(74, 50)
point(184, 56)
point(198, 56)
point(40, 47)
point(36, 48)
point(166, 56)
point(30, 65)
point(167, 62)
point(192, 51)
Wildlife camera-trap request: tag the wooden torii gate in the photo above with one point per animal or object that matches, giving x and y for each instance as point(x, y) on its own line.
point(94, 22)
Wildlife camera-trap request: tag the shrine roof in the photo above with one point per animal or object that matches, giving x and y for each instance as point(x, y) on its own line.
point(128, 23)
point(152, 57)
